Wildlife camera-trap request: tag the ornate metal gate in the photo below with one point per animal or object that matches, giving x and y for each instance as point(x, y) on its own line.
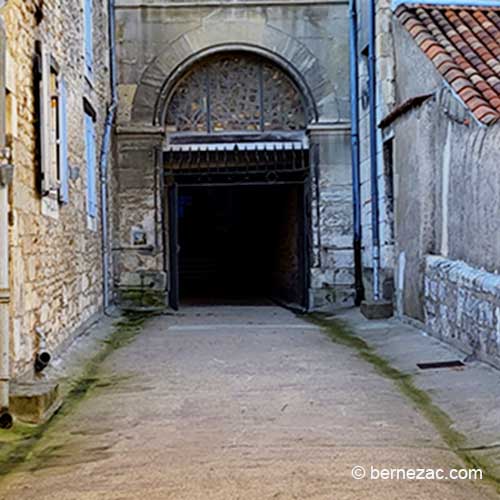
point(236, 119)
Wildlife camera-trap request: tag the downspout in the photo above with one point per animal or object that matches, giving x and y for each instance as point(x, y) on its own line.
point(372, 91)
point(355, 154)
point(5, 179)
point(105, 152)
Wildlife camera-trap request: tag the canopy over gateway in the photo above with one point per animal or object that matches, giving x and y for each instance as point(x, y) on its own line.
point(264, 161)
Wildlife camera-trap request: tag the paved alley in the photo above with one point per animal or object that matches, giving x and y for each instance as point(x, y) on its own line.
point(236, 403)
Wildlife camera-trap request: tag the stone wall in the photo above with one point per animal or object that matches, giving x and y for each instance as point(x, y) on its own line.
point(138, 253)
point(332, 274)
point(310, 41)
point(462, 307)
point(386, 90)
point(56, 273)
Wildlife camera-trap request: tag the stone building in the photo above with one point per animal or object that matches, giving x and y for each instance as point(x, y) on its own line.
point(233, 147)
point(377, 206)
point(438, 105)
point(56, 73)
point(259, 150)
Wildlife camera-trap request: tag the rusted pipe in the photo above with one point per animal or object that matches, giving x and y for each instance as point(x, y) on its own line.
point(43, 356)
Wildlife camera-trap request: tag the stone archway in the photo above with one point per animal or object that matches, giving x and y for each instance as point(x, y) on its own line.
point(141, 138)
point(284, 50)
point(236, 132)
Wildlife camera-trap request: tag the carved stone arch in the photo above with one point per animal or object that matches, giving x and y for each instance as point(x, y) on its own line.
point(293, 57)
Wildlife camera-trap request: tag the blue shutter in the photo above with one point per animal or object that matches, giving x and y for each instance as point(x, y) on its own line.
point(63, 144)
point(89, 42)
point(44, 121)
point(91, 160)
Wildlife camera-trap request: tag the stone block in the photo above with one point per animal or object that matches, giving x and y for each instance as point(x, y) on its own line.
point(376, 309)
point(35, 403)
point(142, 299)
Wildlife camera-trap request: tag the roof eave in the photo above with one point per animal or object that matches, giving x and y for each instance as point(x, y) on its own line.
point(454, 3)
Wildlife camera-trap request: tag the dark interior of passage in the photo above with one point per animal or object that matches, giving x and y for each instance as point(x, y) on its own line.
point(240, 244)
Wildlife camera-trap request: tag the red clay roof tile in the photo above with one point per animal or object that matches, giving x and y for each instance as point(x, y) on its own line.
point(464, 45)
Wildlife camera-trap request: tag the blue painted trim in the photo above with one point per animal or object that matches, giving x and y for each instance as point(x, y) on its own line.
point(91, 165)
point(451, 3)
point(372, 92)
point(88, 34)
point(355, 153)
point(63, 144)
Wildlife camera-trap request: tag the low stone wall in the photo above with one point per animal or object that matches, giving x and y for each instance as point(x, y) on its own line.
point(462, 307)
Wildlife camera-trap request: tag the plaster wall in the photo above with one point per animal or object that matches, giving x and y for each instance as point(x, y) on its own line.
point(447, 181)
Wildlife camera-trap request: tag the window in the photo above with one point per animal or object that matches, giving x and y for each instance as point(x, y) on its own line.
point(53, 128)
point(91, 165)
point(51, 111)
point(88, 37)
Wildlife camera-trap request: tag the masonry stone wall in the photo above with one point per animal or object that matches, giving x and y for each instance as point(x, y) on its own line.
point(310, 41)
point(386, 90)
point(56, 271)
point(332, 273)
point(462, 307)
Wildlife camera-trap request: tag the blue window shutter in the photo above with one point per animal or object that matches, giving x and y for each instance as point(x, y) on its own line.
point(63, 143)
point(89, 41)
point(44, 121)
point(91, 161)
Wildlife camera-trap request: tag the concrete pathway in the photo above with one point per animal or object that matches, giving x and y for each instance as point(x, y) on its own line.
point(236, 403)
point(470, 396)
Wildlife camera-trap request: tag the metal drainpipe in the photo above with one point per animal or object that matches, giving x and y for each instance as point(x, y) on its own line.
point(372, 90)
point(105, 150)
point(356, 189)
point(5, 416)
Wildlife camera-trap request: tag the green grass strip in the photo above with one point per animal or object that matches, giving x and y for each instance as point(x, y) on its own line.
point(17, 444)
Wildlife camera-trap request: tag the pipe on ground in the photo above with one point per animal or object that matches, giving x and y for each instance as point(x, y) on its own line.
point(43, 356)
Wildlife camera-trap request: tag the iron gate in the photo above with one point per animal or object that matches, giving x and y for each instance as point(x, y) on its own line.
point(237, 164)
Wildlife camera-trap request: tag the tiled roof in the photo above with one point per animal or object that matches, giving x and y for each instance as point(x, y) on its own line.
point(464, 45)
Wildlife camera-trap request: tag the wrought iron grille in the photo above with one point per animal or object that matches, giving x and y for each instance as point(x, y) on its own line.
point(279, 163)
point(236, 92)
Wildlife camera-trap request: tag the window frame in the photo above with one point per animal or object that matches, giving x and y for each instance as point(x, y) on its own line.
point(51, 125)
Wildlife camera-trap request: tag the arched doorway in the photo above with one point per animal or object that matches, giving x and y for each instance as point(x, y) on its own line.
point(237, 174)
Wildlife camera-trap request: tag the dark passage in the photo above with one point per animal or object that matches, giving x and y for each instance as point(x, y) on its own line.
point(241, 244)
